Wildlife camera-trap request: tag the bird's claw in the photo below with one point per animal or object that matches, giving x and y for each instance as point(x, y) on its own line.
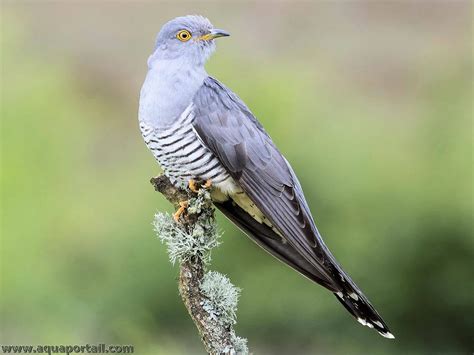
point(207, 185)
point(193, 185)
point(182, 207)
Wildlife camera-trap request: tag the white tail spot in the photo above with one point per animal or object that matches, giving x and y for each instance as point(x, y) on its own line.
point(376, 322)
point(354, 296)
point(364, 322)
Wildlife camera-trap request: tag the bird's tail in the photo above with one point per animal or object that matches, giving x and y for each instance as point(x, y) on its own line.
point(340, 283)
point(359, 306)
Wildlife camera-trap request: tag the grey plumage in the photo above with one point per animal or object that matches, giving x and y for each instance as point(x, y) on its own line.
point(199, 129)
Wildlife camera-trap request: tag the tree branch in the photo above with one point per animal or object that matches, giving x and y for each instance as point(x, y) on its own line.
point(210, 298)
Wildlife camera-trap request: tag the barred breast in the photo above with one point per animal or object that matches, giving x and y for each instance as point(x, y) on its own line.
point(180, 152)
point(182, 156)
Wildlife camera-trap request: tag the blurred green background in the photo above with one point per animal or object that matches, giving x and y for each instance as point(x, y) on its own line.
point(370, 102)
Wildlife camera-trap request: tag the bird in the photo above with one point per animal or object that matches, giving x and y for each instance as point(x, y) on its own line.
point(200, 131)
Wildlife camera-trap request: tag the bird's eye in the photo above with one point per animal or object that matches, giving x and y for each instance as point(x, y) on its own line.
point(183, 35)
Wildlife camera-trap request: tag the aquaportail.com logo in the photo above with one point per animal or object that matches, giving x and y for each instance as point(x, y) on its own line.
point(68, 349)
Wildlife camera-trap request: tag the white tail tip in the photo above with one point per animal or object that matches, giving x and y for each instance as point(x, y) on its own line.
point(387, 335)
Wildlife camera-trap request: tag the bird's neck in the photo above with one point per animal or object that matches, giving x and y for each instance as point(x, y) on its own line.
point(168, 90)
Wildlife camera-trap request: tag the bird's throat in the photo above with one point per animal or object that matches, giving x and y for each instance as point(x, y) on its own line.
point(169, 88)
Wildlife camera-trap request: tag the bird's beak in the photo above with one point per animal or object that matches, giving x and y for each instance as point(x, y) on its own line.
point(214, 33)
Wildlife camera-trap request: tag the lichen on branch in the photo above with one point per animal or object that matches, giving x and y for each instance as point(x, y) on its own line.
point(181, 244)
point(209, 297)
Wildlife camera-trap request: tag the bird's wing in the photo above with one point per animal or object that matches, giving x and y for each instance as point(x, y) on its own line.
point(228, 128)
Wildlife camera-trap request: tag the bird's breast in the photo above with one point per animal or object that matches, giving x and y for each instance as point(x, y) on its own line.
point(182, 155)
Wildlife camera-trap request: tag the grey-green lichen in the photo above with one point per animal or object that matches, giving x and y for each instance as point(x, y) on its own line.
point(183, 245)
point(198, 203)
point(221, 297)
point(240, 344)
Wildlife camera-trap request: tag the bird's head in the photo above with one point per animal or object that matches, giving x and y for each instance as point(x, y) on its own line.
point(190, 38)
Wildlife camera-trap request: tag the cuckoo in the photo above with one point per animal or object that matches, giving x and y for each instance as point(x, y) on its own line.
point(200, 131)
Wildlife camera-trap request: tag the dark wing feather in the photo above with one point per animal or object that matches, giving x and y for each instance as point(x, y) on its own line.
point(228, 128)
point(266, 237)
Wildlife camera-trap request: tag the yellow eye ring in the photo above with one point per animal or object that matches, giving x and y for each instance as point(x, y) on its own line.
point(183, 35)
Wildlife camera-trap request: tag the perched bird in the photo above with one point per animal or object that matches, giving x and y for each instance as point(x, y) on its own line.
point(199, 130)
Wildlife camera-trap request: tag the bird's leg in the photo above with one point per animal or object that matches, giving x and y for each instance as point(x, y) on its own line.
point(207, 185)
point(192, 186)
point(183, 205)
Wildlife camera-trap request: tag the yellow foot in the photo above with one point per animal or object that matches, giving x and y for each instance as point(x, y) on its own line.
point(183, 205)
point(208, 184)
point(192, 186)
